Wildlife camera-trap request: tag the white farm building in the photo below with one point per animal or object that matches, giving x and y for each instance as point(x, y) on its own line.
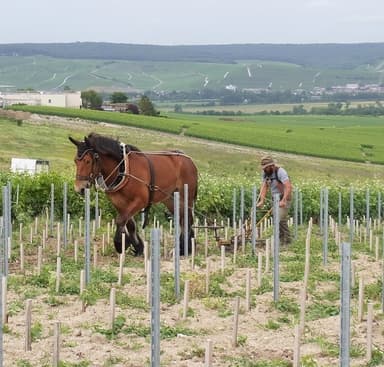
point(27, 165)
point(65, 99)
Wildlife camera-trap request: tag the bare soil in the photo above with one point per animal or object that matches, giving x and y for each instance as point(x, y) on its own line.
point(264, 332)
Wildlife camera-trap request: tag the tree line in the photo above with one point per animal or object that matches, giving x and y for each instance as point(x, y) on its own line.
point(346, 56)
point(93, 100)
point(334, 108)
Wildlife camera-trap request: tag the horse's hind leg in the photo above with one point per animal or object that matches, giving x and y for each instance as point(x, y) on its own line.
point(190, 232)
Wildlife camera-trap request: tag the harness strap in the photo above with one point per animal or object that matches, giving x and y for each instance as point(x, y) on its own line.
point(151, 190)
point(121, 178)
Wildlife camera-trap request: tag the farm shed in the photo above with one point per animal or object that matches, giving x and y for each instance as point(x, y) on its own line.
point(68, 100)
point(31, 166)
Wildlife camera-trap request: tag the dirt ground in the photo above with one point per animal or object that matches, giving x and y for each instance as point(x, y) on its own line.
point(262, 336)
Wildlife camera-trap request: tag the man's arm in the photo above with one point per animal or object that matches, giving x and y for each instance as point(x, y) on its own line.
point(263, 194)
point(287, 187)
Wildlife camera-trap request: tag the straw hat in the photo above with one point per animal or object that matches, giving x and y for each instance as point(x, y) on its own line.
point(267, 161)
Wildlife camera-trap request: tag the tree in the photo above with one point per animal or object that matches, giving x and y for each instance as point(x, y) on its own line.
point(146, 107)
point(178, 108)
point(119, 97)
point(132, 108)
point(91, 99)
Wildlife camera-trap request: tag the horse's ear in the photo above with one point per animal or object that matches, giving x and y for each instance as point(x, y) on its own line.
point(86, 140)
point(73, 141)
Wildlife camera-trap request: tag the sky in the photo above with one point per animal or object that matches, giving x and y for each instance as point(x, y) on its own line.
point(197, 22)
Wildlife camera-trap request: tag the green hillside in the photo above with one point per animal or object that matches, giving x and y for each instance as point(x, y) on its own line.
point(48, 139)
point(111, 67)
point(349, 138)
point(52, 74)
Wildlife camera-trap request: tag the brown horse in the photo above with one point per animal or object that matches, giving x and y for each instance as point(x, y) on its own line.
point(133, 180)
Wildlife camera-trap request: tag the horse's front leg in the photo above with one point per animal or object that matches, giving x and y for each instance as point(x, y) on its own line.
point(133, 238)
point(127, 226)
point(120, 229)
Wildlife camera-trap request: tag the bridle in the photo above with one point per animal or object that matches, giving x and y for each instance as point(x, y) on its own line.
point(95, 162)
point(95, 176)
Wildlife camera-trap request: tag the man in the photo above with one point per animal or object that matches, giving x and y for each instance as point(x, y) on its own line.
point(276, 178)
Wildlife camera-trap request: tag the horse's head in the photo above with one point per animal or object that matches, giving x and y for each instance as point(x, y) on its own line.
point(86, 162)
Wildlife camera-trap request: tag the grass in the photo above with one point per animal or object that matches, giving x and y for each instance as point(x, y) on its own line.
point(198, 107)
point(49, 140)
point(350, 138)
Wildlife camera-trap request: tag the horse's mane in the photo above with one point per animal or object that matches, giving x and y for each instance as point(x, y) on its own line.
point(108, 146)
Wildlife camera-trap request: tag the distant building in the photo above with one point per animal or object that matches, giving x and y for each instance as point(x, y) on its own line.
point(31, 166)
point(65, 99)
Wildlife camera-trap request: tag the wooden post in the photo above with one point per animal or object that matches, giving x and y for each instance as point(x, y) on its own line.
point(193, 254)
point(121, 268)
point(56, 345)
point(296, 347)
point(360, 300)
point(112, 302)
point(39, 259)
point(95, 255)
point(259, 268)
point(21, 257)
point(208, 354)
point(207, 273)
point(76, 251)
point(248, 290)
point(235, 321)
point(369, 331)
point(82, 287)
point(186, 299)
point(28, 325)
point(58, 273)
point(222, 259)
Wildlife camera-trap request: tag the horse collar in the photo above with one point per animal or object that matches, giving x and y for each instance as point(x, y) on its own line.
point(120, 179)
